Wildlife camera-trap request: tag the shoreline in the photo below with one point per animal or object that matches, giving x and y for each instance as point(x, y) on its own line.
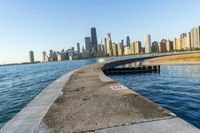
point(174, 60)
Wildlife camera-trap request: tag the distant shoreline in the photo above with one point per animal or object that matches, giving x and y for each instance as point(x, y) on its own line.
point(24, 63)
point(189, 59)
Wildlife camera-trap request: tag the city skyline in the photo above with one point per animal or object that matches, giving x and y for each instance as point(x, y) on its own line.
point(185, 42)
point(58, 25)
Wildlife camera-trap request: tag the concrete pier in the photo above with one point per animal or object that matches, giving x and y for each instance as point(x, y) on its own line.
point(132, 70)
point(86, 100)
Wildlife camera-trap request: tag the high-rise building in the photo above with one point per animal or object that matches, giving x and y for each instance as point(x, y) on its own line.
point(162, 45)
point(78, 48)
point(61, 56)
point(183, 40)
point(169, 45)
point(154, 47)
point(94, 39)
point(115, 49)
point(128, 42)
point(31, 56)
point(120, 53)
point(176, 44)
point(188, 41)
point(88, 45)
point(44, 54)
point(83, 50)
point(126, 50)
point(50, 53)
point(132, 48)
point(100, 50)
point(73, 51)
point(195, 37)
point(138, 47)
point(147, 43)
point(121, 46)
point(108, 45)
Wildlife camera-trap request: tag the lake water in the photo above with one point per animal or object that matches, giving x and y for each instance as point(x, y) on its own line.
point(20, 84)
point(176, 88)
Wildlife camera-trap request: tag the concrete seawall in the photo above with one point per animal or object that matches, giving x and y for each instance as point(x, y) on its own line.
point(103, 110)
point(30, 117)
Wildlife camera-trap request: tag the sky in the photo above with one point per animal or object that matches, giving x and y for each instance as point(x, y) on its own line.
point(41, 25)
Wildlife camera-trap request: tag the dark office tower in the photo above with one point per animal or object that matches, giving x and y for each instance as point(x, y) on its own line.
point(78, 48)
point(44, 54)
point(128, 42)
point(72, 49)
point(122, 46)
point(31, 56)
point(93, 37)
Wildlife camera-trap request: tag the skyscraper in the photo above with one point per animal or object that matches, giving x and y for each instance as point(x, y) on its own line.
point(108, 45)
point(132, 48)
point(94, 38)
point(154, 47)
point(31, 56)
point(195, 37)
point(50, 53)
point(122, 46)
point(78, 48)
point(188, 41)
point(169, 45)
point(44, 54)
point(162, 45)
point(72, 50)
point(115, 49)
point(128, 42)
point(88, 46)
point(138, 47)
point(147, 43)
point(176, 44)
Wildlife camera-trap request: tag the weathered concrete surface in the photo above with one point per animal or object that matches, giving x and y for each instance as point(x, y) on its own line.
point(89, 104)
point(172, 125)
point(28, 119)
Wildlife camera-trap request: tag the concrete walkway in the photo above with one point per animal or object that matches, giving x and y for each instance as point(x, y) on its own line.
point(89, 104)
point(173, 125)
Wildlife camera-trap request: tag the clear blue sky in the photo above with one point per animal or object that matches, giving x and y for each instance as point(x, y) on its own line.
point(40, 25)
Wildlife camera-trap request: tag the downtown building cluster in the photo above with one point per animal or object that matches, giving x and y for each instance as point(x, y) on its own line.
point(93, 48)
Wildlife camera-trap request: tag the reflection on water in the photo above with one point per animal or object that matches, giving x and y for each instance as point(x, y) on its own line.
point(176, 88)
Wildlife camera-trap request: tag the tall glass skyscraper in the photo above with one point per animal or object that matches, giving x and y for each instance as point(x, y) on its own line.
point(94, 37)
point(128, 42)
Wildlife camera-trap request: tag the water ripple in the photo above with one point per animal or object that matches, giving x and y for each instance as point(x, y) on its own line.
point(20, 84)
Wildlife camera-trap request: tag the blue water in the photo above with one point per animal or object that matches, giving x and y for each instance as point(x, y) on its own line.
point(20, 84)
point(176, 88)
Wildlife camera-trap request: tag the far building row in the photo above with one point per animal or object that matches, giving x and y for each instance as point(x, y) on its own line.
point(186, 41)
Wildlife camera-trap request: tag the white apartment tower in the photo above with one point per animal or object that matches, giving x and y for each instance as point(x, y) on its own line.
point(147, 43)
